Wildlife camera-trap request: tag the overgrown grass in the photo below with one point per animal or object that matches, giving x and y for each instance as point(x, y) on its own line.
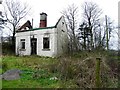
point(35, 73)
point(75, 71)
point(81, 69)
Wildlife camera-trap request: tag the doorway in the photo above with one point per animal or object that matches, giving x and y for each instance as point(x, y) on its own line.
point(33, 46)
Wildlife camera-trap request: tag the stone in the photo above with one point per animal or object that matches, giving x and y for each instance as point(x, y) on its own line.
point(53, 78)
point(12, 74)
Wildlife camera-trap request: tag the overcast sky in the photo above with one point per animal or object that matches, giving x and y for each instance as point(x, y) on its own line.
point(54, 7)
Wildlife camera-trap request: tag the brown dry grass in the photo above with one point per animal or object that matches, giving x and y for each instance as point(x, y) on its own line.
point(81, 70)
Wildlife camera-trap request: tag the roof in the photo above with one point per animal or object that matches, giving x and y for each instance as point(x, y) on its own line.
point(36, 29)
point(27, 24)
point(41, 27)
point(58, 21)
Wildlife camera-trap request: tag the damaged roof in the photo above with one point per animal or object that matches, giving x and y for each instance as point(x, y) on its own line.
point(41, 28)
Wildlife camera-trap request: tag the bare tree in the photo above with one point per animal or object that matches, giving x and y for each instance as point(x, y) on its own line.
point(70, 15)
point(109, 27)
point(91, 16)
point(83, 35)
point(15, 11)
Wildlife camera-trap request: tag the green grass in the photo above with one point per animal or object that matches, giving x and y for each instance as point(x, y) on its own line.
point(29, 65)
point(1, 71)
point(37, 70)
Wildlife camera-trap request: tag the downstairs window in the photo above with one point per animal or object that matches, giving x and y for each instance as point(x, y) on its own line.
point(46, 43)
point(22, 43)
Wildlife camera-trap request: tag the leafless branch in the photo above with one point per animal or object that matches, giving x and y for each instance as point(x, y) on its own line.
point(15, 11)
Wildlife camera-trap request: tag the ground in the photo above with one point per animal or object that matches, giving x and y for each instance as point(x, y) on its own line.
point(72, 71)
point(29, 65)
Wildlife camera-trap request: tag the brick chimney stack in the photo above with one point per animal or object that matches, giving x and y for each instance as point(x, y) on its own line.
point(43, 20)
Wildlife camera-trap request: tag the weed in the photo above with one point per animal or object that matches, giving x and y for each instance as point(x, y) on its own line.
point(73, 71)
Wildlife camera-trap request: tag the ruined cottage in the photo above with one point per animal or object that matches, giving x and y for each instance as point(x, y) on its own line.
point(42, 41)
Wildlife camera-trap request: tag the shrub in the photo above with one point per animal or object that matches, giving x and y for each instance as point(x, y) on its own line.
point(8, 49)
point(83, 70)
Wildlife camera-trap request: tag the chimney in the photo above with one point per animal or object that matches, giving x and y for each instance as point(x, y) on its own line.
point(43, 20)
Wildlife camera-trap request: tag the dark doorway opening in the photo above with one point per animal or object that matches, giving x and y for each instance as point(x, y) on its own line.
point(33, 46)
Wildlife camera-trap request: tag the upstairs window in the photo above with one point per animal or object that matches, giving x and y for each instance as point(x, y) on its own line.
point(46, 43)
point(22, 43)
point(62, 23)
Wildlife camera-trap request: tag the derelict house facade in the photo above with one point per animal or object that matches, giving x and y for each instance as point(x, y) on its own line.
point(43, 41)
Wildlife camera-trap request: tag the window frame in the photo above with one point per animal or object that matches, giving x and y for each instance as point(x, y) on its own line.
point(47, 41)
point(22, 42)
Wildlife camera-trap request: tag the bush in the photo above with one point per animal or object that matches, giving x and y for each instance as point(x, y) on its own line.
point(8, 49)
point(83, 70)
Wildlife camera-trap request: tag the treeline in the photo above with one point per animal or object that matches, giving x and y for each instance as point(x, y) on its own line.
point(92, 31)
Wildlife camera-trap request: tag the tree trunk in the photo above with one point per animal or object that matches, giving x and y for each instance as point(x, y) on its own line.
point(13, 38)
point(107, 33)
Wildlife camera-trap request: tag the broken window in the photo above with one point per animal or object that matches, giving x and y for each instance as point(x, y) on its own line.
point(62, 23)
point(22, 43)
point(46, 43)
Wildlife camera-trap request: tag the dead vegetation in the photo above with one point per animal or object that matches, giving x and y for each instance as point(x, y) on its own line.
point(72, 71)
point(81, 70)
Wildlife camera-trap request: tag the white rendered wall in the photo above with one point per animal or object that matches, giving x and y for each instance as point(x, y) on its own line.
point(62, 37)
point(27, 50)
point(39, 34)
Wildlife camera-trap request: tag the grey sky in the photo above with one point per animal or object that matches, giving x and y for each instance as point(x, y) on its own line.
point(54, 7)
